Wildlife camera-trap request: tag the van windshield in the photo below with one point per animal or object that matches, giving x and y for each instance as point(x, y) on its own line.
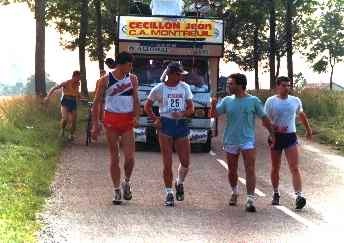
point(150, 72)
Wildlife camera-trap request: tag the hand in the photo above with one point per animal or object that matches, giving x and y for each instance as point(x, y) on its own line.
point(95, 130)
point(178, 115)
point(271, 141)
point(46, 100)
point(157, 123)
point(213, 101)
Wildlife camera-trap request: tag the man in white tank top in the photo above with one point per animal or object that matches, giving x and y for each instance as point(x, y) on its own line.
point(282, 110)
point(175, 105)
point(120, 89)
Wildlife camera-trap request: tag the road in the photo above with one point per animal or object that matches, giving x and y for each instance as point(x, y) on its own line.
point(80, 209)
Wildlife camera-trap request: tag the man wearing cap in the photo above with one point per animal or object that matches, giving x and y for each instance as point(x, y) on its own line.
point(175, 105)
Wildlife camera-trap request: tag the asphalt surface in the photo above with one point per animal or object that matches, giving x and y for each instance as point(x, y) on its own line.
point(80, 209)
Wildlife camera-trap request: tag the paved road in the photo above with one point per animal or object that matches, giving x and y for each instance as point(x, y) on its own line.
point(80, 209)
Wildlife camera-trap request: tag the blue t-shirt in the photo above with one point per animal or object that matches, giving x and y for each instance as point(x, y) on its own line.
point(240, 115)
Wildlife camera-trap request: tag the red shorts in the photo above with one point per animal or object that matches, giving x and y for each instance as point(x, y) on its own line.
point(118, 122)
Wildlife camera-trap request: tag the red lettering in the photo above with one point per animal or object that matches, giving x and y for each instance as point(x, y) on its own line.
point(146, 25)
point(120, 88)
point(132, 25)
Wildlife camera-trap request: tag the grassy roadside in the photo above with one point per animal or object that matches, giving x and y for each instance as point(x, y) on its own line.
point(325, 110)
point(28, 153)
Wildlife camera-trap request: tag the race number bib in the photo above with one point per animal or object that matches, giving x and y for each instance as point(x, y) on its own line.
point(175, 102)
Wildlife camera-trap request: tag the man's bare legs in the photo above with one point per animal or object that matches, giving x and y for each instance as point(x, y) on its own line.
point(249, 157)
point(128, 148)
point(166, 147)
point(64, 120)
point(183, 150)
point(115, 171)
point(232, 161)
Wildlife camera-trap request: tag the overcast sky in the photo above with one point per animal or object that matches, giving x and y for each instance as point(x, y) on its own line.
point(17, 48)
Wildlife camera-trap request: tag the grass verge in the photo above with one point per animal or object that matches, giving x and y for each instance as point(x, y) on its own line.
point(28, 154)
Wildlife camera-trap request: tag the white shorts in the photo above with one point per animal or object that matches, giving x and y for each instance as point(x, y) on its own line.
point(235, 149)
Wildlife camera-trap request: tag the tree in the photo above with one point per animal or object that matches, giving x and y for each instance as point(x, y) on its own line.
point(324, 38)
point(272, 42)
point(289, 37)
point(82, 45)
point(40, 48)
point(100, 49)
point(39, 7)
point(245, 34)
point(29, 86)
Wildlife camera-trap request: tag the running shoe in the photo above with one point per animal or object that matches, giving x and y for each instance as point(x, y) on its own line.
point(249, 207)
point(300, 202)
point(275, 198)
point(126, 191)
point(169, 201)
point(117, 197)
point(179, 192)
point(234, 200)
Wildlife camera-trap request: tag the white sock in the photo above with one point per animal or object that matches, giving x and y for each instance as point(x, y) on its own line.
point(168, 190)
point(182, 172)
point(251, 197)
point(235, 190)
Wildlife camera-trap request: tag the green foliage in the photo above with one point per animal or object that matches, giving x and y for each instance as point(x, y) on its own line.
point(299, 81)
point(29, 150)
point(241, 20)
point(65, 16)
point(323, 37)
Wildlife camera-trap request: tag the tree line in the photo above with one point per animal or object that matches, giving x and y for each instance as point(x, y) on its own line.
point(258, 33)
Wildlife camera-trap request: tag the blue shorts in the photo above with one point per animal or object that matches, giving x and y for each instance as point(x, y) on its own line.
point(69, 102)
point(285, 141)
point(236, 149)
point(175, 128)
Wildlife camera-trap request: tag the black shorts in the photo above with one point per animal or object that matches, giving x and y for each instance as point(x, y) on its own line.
point(69, 102)
point(285, 141)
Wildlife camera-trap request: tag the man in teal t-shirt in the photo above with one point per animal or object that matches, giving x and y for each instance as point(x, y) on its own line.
point(241, 110)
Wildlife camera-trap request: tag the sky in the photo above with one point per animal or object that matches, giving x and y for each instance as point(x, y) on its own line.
point(17, 55)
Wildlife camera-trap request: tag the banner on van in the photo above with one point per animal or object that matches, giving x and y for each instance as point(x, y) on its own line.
point(171, 29)
point(144, 48)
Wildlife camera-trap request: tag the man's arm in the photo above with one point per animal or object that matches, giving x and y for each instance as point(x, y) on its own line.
point(190, 109)
point(213, 112)
point(266, 122)
point(149, 109)
point(53, 89)
point(303, 119)
point(268, 125)
point(135, 83)
point(96, 105)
